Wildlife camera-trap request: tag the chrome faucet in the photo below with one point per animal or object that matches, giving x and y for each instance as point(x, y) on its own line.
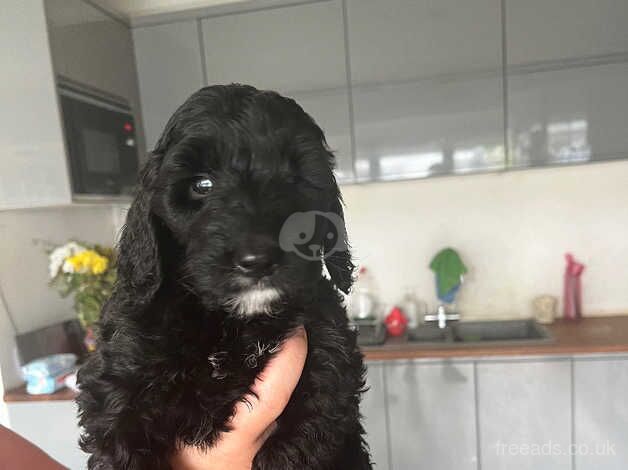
point(441, 316)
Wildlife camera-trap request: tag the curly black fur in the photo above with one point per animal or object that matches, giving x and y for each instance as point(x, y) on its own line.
point(174, 356)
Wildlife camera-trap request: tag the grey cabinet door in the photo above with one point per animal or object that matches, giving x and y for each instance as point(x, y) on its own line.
point(33, 168)
point(93, 49)
point(296, 50)
point(90, 47)
point(427, 87)
point(431, 408)
point(169, 66)
point(524, 415)
point(567, 81)
point(373, 409)
point(601, 414)
point(53, 427)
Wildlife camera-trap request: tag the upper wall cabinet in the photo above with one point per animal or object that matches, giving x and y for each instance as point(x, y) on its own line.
point(298, 51)
point(427, 87)
point(169, 67)
point(33, 169)
point(567, 81)
point(90, 47)
point(93, 49)
point(552, 30)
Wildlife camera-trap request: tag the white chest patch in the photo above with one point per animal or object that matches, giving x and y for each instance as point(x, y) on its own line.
point(255, 300)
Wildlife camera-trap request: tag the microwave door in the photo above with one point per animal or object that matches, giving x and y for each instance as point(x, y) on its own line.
point(101, 147)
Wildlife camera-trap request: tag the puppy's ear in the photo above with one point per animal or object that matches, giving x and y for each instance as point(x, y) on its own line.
point(139, 266)
point(337, 253)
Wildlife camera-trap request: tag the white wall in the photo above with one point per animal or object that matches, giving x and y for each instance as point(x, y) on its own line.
point(24, 268)
point(6, 344)
point(511, 229)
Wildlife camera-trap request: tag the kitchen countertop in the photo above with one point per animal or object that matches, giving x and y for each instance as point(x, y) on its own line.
point(587, 336)
point(19, 395)
point(591, 335)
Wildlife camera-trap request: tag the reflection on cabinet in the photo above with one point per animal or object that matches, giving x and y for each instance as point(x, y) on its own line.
point(601, 413)
point(298, 51)
point(373, 410)
point(570, 115)
point(32, 163)
point(53, 427)
point(522, 406)
point(427, 87)
point(432, 415)
point(169, 69)
point(567, 81)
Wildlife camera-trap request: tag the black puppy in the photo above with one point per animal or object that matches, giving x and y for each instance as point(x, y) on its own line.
point(221, 258)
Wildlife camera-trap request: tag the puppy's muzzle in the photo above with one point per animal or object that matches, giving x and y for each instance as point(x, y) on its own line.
point(257, 257)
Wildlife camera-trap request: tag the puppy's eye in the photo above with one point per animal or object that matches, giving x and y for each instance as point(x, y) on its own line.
point(200, 187)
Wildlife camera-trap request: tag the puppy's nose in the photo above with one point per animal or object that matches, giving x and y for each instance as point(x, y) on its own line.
point(254, 262)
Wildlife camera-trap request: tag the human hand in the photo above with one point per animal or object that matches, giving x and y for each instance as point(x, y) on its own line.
point(252, 423)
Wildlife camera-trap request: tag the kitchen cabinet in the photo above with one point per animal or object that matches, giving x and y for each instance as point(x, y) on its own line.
point(415, 88)
point(426, 82)
point(33, 168)
point(524, 414)
point(554, 30)
point(373, 410)
point(567, 64)
point(53, 427)
point(95, 50)
point(297, 50)
point(601, 413)
point(169, 68)
point(90, 47)
point(431, 412)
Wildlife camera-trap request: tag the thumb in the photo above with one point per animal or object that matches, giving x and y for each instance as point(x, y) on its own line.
point(274, 386)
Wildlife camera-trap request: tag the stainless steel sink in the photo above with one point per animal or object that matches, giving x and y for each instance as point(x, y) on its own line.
point(481, 333)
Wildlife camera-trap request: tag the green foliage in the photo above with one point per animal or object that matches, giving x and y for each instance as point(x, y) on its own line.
point(90, 290)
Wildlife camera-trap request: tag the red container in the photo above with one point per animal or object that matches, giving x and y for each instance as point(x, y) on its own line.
point(396, 322)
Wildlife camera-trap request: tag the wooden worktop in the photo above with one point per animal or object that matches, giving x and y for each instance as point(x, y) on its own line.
point(19, 394)
point(585, 336)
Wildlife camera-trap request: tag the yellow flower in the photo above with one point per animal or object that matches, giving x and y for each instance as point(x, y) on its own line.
point(99, 264)
point(88, 261)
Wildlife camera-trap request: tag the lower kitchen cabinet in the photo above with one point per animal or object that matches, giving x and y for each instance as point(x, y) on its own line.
point(373, 409)
point(53, 427)
point(524, 414)
point(431, 415)
point(601, 413)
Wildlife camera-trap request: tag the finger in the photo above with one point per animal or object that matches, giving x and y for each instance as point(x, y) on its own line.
point(274, 386)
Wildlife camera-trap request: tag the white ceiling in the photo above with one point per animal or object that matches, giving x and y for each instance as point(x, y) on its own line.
point(134, 9)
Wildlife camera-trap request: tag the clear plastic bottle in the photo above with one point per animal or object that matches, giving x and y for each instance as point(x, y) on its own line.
point(413, 308)
point(363, 301)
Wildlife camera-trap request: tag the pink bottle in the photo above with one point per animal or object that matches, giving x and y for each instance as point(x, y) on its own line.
point(572, 301)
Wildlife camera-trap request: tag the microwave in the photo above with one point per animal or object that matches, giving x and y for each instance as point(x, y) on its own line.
point(101, 142)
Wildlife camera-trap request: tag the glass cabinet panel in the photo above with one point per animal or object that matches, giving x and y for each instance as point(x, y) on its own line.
point(567, 81)
point(427, 87)
point(296, 50)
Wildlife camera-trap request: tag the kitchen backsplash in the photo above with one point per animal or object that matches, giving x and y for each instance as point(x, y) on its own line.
point(511, 229)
